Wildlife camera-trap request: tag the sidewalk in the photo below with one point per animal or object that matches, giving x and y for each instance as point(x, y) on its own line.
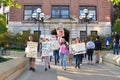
point(87, 72)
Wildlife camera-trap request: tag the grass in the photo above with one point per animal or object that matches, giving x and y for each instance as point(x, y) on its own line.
point(2, 59)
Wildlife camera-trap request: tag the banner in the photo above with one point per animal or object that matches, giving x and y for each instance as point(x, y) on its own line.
point(79, 48)
point(46, 49)
point(31, 49)
point(55, 45)
point(60, 31)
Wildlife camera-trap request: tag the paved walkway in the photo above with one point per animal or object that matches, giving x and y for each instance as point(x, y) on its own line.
point(87, 72)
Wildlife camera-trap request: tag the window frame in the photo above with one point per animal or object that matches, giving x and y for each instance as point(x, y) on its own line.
point(88, 7)
point(60, 8)
point(32, 8)
point(94, 32)
point(83, 36)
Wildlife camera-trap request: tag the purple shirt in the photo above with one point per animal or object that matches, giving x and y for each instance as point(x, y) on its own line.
point(63, 49)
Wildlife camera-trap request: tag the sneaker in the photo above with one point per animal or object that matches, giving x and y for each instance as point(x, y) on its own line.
point(33, 69)
point(79, 67)
point(49, 67)
point(75, 66)
point(30, 68)
point(64, 68)
point(97, 62)
point(45, 69)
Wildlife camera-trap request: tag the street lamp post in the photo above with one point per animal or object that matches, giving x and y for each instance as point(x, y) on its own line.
point(38, 16)
point(86, 17)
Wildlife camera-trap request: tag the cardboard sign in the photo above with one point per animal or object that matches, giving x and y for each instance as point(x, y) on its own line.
point(31, 49)
point(46, 49)
point(79, 48)
point(60, 31)
point(55, 45)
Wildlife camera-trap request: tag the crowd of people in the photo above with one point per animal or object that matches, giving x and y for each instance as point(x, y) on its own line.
point(60, 54)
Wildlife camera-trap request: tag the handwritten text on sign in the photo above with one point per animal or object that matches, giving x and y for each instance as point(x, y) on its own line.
point(55, 45)
point(46, 48)
point(31, 49)
point(79, 48)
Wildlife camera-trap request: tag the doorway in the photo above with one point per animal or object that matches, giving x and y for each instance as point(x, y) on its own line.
point(66, 32)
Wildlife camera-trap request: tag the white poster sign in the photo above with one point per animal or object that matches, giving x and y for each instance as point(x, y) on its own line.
point(55, 45)
point(31, 49)
point(46, 49)
point(79, 48)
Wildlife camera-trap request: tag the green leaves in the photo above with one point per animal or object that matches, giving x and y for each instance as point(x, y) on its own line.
point(3, 24)
point(115, 2)
point(11, 3)
point(116, 26)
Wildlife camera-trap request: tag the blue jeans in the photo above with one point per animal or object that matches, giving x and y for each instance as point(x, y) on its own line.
point(115, 48)
point(63, 58)
point(56, 56)
point(78, 59)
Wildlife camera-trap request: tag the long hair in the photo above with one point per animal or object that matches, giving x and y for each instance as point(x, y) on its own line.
point(77, 40)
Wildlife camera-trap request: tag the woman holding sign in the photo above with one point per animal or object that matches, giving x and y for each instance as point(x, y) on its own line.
point(31, 59)
point(46, 53)
point(63, 51)
point(78, 55)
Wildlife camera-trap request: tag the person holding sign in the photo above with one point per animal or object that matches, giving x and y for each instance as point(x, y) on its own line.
point(78, 56)
point(46, 53)
point(56, 47)
point(31, 59)
point(63, 51)
point(90, 49)
point(78, 49)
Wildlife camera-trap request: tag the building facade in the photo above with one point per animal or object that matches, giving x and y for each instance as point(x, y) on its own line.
point(64, 13)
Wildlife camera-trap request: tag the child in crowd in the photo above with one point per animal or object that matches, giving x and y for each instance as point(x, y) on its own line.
point(46, 56)
point(70, 53)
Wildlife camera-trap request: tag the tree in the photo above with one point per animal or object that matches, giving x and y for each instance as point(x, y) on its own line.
point(115, 2)
point(3, 24)
point(117, 11)
point(116, 26)
point(10, 3)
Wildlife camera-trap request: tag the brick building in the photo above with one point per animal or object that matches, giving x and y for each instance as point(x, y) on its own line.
point(63, 13)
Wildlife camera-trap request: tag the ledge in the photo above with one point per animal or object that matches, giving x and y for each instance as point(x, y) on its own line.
point(10, 70)
point(112, 59)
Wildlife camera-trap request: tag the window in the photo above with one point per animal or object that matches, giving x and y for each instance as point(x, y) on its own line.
point(92, 10)
point(82, 35)
point(28, 11)
point(60, 12)
point(94, 32)
point(7, 16)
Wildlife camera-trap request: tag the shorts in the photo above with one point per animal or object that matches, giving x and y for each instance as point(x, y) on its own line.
point(32, 59)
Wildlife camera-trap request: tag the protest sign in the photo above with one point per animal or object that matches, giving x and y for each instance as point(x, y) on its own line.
point(46, 49)
point(55, 45)
point(79, 48)
point(31, 50)
point(60, 31)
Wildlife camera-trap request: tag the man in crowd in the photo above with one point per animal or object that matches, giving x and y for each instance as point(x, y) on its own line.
point(98, 47)
point(116, 43)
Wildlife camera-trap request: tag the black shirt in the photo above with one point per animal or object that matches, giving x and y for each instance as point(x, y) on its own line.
point(98, 45)
point(117, 38)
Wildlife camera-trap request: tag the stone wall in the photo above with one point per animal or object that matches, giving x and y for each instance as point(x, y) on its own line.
point(10, 70)
point(112, 59)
